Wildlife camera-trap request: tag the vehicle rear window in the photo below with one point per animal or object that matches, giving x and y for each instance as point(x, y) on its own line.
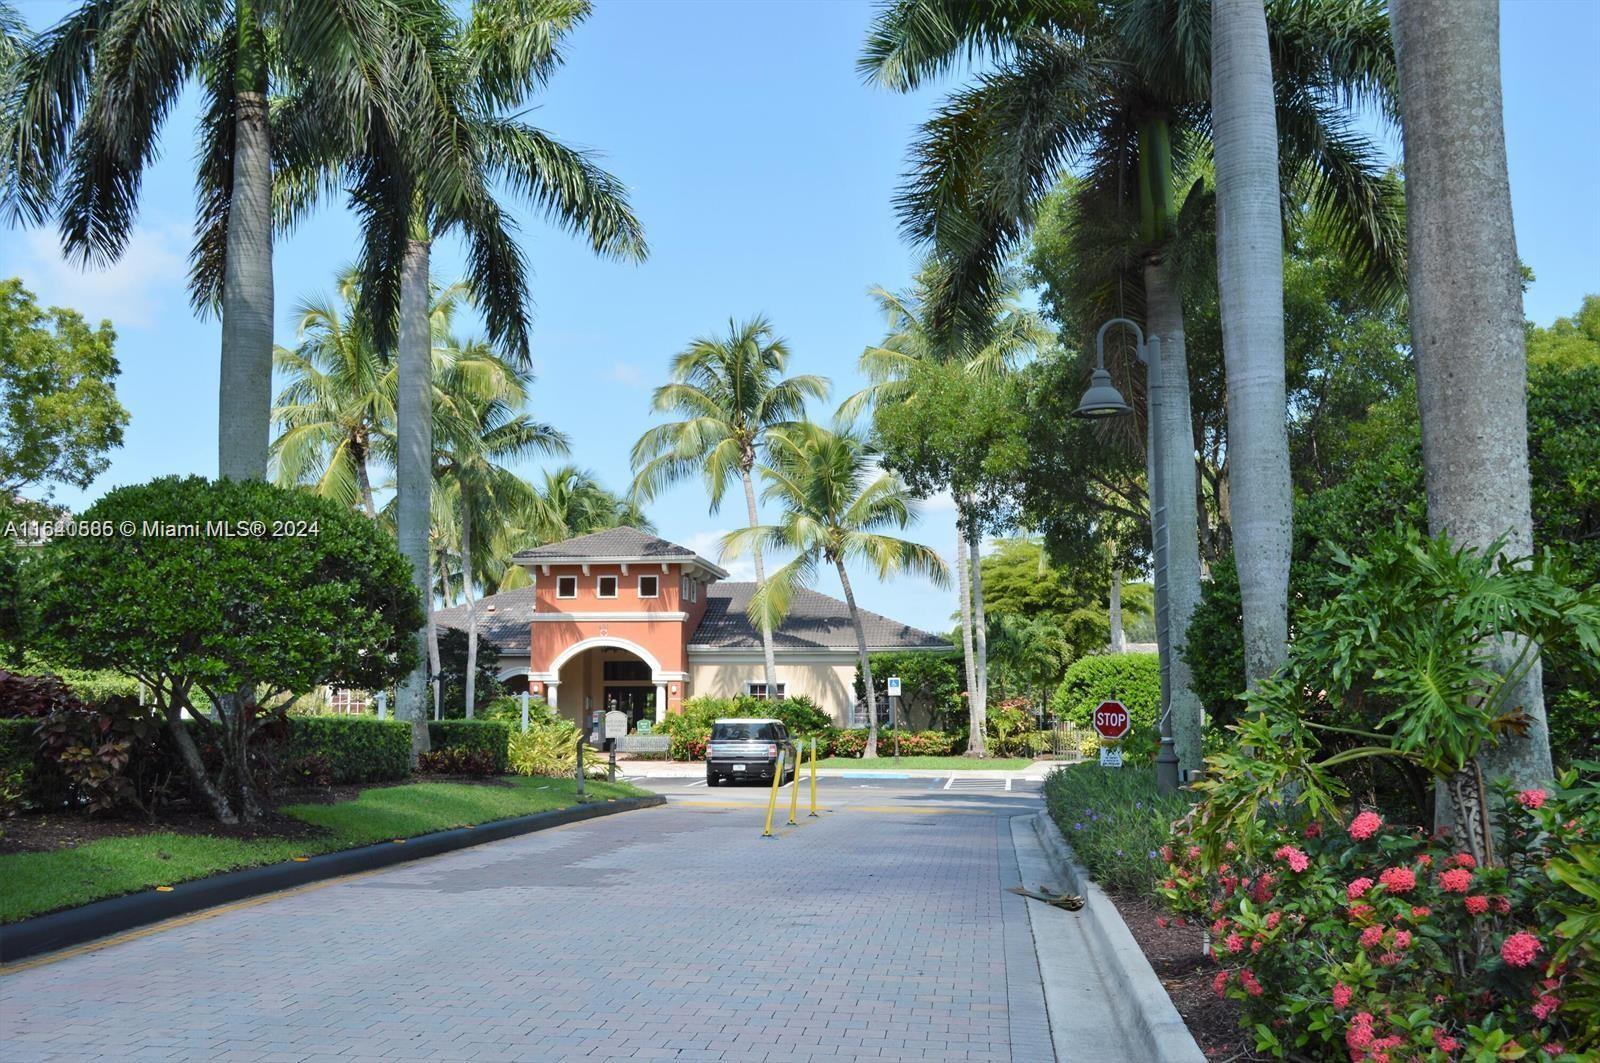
point(743, 732)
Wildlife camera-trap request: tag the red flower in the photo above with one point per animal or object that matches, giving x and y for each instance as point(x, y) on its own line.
point(1371, 937)
point(1546, 1005)
point(1501, 905)
point(1398, 879)
point(1456, 880)
point(1161, 921)
point(1402, 939)
point(1477, 905)
point(1341, 995)
point(1248, 980)
point(1531, 798)
point(1358, 912)
point(1360, 1037)
point(1421, 911)
point(1273, 918)
point(1445, 1042)
point(1463, 860)
point(1313, 830)
point(1424, 860)
point(1365, 826)
point(1296, 859)
point(1234, 943)
point(1520, 948)
point(1219, 984)
point(1358, 888)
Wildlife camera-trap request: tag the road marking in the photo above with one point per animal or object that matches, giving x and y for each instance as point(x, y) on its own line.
point(1008, 784)
point(949, 782)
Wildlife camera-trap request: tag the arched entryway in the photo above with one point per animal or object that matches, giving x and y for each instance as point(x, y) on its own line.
point(597, 675)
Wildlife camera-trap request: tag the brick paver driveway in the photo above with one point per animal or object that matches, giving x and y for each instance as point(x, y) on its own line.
point(879, 931)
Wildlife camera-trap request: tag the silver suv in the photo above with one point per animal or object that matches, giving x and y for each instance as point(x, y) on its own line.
point(748, 749)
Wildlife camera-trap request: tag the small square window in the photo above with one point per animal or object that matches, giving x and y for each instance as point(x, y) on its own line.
point(649, 587)
point(606, 587)
point(566, 586)
point(759, 690)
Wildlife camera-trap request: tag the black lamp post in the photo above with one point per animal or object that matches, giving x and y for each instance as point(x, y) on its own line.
point(1103, 400)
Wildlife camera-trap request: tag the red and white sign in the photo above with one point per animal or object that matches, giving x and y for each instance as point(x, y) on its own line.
point(1111, 720)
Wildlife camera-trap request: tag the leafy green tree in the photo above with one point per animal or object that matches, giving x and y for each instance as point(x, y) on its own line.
point(836, 506)
point(930, 685)
point(246, 622)
point(84, 118)
point(453, 671)
point(59, 412)
point(732, 396)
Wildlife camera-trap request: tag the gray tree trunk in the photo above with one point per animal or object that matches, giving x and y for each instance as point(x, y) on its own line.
point(414, 465)
point(364, 481)
point(433, 660)
point(976, 745)
point(1466, 308)
point(244, 401)
point(980, 647)
point(768, 658)
point(1250, 284)
point(471, 681)
point(194, 764)
point(871, 749)
point(1175, 438)
point(1118, 642)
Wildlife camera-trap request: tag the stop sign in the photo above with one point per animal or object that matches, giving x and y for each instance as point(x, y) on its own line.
point(1111, 719)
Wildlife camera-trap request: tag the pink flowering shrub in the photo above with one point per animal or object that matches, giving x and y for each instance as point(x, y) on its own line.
point(1376, 944)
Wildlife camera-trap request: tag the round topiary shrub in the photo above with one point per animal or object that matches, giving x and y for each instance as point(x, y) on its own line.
point(1131, 678)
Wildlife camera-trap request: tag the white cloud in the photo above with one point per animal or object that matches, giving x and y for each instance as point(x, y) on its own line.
point(708, 544)
point(623, 373)
point(146, 285)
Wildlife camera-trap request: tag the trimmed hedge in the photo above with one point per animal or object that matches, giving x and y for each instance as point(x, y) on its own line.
point(357, 748)
point(1131, 678)
point(490, 736)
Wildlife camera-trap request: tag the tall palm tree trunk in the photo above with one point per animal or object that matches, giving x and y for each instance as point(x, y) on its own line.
point(1466, 309)
point(364, 479)
point(433, 662)
point(1250, 284)
point(414, 462)
point(1175, 440)
point(470, 683)
point(769, 659)
point(244, 400)
point(980, 646)
point(1118, 642)
point(975, 737)
point(871, 749)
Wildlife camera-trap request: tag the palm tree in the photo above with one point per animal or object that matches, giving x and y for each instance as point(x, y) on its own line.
point(1013, 334)
point(1466, 309)
point(734, 398)
point(336, 412)
point(85, 112)
point(1124, 88)
point(478, 432)
point(1250, 291)
point(411, 190)
point(835, 504)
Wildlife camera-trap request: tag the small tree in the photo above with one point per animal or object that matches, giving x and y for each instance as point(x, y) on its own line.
point(246, 593)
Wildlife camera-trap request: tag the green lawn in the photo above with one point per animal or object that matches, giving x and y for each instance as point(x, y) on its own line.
point(886, 762)
point(43, 882)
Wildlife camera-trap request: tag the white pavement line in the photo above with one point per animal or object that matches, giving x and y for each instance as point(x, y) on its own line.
point(949, 782)
point(1008, 784)
point(1077, 993)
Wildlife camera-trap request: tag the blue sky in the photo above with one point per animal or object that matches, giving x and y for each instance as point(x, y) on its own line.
point(763, 171)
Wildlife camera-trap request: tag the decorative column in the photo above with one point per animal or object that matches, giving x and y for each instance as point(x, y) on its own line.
point(550, 694)
point(661, 702)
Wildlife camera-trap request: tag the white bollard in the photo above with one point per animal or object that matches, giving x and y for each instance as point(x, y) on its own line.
point(524, 712)
point(383, 704)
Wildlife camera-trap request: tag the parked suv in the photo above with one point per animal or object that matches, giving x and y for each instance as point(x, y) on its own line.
point(748, 749)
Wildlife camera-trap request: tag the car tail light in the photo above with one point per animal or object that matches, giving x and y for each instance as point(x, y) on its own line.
point(772, 749)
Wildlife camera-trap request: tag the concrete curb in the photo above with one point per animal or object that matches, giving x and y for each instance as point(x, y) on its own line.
point(114, 915)
point(1139, 1001)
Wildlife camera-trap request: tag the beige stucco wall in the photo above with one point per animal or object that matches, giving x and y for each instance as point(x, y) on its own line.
point(830, 683)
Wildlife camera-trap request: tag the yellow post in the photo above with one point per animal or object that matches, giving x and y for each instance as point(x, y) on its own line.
point(772, 799)
point(794, 790)
point(813, 777)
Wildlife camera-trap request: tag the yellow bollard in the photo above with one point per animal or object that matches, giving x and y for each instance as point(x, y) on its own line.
point(813, 778)
point(772, 799)
point(794, 790)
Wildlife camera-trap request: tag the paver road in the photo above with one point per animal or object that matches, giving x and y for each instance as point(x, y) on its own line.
point(881, 930)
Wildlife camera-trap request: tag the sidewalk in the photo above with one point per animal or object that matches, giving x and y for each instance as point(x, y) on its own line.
point(883, 767)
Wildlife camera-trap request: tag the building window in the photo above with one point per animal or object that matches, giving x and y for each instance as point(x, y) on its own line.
point(759, 690)
point(649, 587)
point(625, 671)
point(566, 586)
point(346, 701)
point(694, 590)
point(606, 587)
point(683, 588)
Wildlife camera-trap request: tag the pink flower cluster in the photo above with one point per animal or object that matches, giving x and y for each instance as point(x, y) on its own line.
point(1341, 995)
point(1476, 905)
point(1365, 826)
point(1520, 948)
point(1358, 888)
point(1247, 979)
point(1531, 798)
point(1297, 860)
point(1398, 879)
point(1456, 880)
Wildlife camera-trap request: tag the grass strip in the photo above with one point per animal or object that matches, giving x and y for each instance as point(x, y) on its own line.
point(35, 883)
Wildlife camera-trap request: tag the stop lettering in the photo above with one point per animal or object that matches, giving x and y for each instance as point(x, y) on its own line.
point(1111, 719)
